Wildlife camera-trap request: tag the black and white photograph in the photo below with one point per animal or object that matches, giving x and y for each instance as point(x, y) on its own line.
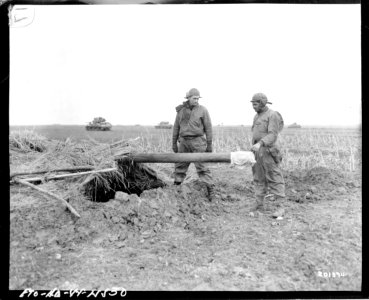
point(200, 146)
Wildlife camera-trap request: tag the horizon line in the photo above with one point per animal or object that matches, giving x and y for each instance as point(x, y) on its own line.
point(217, 125)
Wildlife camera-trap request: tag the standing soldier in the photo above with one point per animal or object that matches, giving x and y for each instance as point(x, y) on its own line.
point(191, 124)
point(266, 171)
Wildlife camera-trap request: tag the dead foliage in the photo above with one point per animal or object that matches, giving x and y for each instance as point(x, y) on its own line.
point(27, 140)
point(129, 177)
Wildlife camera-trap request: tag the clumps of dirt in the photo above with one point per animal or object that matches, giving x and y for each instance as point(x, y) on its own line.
point(318, 183)
point(129, 215)
point(315, 176)
point(120, 220)
point(323, 176)
point(235, 191)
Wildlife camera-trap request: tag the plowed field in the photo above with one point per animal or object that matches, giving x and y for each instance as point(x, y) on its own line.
point(173, 238)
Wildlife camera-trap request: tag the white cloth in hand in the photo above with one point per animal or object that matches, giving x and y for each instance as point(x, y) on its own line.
point(241, 159)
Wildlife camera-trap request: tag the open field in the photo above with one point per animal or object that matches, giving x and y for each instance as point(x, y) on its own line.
point(302, 148)
point(173, 238)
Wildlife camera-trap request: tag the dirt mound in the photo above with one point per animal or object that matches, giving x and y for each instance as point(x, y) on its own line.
point(319, 183)
point(127, 216)
point(146, 215)
point(322, 175)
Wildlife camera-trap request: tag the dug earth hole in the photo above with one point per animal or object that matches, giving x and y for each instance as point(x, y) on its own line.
point(130, 178)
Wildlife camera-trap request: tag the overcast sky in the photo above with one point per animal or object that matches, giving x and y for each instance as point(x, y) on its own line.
point(132, 64)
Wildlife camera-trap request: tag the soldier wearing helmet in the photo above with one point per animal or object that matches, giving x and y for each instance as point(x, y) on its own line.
point(267, 174)
point(193, 130)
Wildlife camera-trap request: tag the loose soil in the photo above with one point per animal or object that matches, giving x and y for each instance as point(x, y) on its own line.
point(173, 238)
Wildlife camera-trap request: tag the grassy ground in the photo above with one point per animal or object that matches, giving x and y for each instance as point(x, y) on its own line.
point(302, 148)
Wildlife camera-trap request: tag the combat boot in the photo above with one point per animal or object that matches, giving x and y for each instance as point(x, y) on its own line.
point(279, 211)
point(258, 205)
point(269, 202)
point(211, 193)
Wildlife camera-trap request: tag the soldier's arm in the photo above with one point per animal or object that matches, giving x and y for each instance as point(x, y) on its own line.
point(272, 135)
point(208, 127)
point(175, 129)
point(252, 131)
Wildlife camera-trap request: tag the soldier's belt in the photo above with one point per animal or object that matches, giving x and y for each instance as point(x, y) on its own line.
point(190, 137)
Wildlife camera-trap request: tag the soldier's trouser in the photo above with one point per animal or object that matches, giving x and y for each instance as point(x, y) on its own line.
point(197, 144)
point(267, 173)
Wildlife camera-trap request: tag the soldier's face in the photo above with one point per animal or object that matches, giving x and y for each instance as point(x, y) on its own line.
point(257, 106)
point(194, 100)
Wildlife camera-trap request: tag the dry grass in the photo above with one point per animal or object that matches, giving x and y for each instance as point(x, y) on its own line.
point(27, 140)
point(302, 149)
point(70, 153)
point(130, 177)
point(338, 150)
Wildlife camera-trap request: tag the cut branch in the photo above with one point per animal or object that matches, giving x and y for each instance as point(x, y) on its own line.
point(70, 207)
point(74, 169)
point(62, 176)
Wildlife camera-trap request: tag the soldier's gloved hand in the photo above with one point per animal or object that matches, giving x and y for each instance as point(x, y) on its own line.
point(209, 148)
point(256, 147)
point(175, 147)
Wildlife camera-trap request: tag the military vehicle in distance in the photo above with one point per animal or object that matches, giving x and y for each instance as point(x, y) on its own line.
point(164, 125)
point(294, 125)
point(98, 124)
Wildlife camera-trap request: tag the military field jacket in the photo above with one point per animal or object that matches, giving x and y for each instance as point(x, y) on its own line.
point(192, 122)
point(265, 127)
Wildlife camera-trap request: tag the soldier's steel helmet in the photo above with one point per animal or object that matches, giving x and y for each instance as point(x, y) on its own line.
point(260, 97)
point(192, 92)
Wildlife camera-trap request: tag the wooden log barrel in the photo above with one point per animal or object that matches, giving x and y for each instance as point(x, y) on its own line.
point(176, 157)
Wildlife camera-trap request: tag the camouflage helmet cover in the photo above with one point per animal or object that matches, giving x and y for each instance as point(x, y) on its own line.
point(192, 92)
point(260, 97)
